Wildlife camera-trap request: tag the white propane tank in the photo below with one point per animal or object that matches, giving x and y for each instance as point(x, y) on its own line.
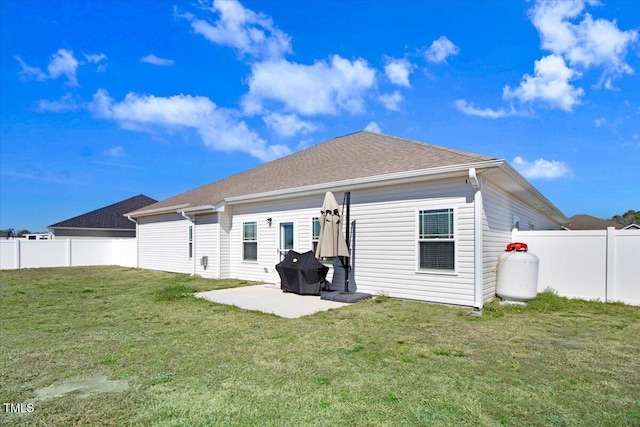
point(517, 274)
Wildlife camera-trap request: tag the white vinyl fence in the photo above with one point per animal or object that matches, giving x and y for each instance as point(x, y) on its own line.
point(19, 253)
point(594, 264)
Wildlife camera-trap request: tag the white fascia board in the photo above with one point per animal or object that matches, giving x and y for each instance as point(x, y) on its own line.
point(156, 211)
point(543, 204)
point(461, 170)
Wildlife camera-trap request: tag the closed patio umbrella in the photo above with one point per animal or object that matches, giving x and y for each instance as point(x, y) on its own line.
point(332, 242)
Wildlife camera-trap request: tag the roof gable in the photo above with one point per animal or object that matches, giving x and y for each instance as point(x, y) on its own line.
point(109, 217)
point(357, 155)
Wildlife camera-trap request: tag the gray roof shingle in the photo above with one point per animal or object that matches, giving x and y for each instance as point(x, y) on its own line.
point(109, 217)
point(588, 222)
point(357, 155)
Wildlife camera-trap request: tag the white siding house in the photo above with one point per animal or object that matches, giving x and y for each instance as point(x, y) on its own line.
point(428, 222)
point(163, 243)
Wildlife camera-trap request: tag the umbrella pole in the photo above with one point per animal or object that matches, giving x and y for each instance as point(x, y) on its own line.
point(346, 262)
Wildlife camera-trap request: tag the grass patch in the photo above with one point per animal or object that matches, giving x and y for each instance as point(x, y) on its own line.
point(173, 292)
point(164, 358)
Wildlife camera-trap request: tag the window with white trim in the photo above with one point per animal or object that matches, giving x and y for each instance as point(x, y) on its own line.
point(190, 241)
point(250, 241)
point(436, 240)
point(315, 233)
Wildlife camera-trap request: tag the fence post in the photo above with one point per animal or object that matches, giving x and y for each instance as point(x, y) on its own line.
point(69, 253)
point(611, 264)
point(17, 254)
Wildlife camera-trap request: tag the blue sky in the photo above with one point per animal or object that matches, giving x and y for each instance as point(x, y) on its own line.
point(104, 100)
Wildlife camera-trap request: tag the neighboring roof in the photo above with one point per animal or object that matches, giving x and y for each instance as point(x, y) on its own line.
point(7, 234)
point(109, 217)
point(632, 227)
point(588, 222)
point(357, 155)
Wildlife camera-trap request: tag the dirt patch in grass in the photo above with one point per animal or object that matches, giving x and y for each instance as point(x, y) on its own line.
point(82, 387)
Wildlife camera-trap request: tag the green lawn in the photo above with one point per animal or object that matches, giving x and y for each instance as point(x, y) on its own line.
point(161, 357)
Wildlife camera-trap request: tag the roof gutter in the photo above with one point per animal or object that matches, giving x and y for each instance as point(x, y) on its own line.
point(184, 207)
point(219, 207)
point(367, 182)
point(156, 211)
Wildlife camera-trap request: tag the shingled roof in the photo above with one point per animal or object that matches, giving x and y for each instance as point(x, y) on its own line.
point(588, 222)
point(109, 217)
point(357, 155)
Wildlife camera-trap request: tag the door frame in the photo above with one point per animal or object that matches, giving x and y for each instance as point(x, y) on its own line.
point(294, 247)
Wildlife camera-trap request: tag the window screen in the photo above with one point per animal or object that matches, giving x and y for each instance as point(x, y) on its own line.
point(250, 241)
point(436, 240)
point(315, 233)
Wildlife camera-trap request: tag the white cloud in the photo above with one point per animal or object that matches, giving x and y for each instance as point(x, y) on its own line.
point(179, 110)
point(550, 84)
point(95, 57)
point(27, 72)
point(391, 101)
point(155, 60)
point(587, 43)
point(326, 87)
point(116, 151)
point(288, 124)
point(468, 108)
point(557, 34)
point(248, 32)
point(61, 63)
point(99, 59)
point(64, 63)
point(66, 103)
point(373, 127)
point(441, 49)
point(599, 122)
point(541, 168)
point(218, 128)
point(577, 43)
point(398, 70)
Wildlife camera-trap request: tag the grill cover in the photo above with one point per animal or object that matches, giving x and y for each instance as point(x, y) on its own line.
point(302, 274)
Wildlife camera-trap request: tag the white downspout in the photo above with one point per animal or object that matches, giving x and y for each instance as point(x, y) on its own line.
point(218, 260)
point(137, 240)
point(478, 253)
point(193, 240)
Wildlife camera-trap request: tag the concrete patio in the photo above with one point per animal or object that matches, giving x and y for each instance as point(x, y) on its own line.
point(269, 298)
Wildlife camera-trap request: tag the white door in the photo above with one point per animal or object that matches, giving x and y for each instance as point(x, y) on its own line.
point(286, 239)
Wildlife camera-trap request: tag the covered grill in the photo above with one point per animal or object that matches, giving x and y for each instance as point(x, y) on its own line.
point(302, 274)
